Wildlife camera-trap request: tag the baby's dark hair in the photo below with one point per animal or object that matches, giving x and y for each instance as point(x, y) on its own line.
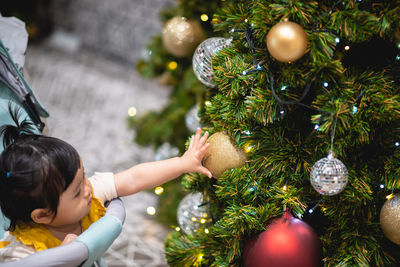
point(34, 170)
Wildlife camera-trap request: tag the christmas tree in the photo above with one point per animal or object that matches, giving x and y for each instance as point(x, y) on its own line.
point(304, 114)
point(168, 58)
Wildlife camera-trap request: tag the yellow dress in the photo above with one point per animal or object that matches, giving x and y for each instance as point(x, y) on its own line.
point(39, 237)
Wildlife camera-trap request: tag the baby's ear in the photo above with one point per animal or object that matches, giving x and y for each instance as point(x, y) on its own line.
point(42, 216)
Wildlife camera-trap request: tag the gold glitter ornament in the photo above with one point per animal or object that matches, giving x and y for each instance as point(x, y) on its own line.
point(286, 41)
point(181, 36)
point(222, 154)
point(390, 219)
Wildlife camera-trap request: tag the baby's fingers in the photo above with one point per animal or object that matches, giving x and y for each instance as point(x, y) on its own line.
point(203, 149)
point(205, 171)
point(197, 136)
point(204, 138)
point(191, 142)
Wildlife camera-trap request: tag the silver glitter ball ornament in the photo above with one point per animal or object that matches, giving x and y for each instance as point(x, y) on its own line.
point(193, 213)
point(192, 120)
point(329, 176)
point(202, 58)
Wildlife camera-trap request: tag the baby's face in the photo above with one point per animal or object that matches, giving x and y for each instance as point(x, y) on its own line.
point(74, 202)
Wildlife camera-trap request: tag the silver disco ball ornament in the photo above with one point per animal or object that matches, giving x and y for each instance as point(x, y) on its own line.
point(193, 213)
point(192, 120)
point(202, 58)
point(329, 176)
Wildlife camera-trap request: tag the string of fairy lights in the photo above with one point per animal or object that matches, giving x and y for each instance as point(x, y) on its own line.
point(258, 66)
point(262, 65)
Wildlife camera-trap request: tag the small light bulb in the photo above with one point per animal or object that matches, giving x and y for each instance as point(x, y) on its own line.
point(397, 144)
point(390, 196)
point(172, 65)
point(398, 57)
point(246, 20)
point(177, 229)
point(252, 25)
point(233, 30)
point(382, 186)
point(316, 127)
point(203, 220)
point(204, 17)
point(325, 84)
point(337, 40)
point(159, 190)
point(207, 103)
point(284, 188)
point(151, 210)
point(132, 111)
point(283, 88)
point(194, 219)
point(205, 215)
point(244, 72)
point(282, 111)
point(346, 47)
point(355, 109)
point(206, 231)
point(310, 211)
point(258, 67)
point(248, 148)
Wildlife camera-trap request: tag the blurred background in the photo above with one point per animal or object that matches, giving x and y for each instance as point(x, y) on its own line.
point(80, 62)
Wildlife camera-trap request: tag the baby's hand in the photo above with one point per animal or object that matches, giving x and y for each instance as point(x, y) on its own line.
point(195, 153)
point(69, 238)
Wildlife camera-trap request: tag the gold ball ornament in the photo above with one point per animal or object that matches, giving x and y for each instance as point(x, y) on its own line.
point(181, 36)
point(390, 219)
point(222, 154)
point(286, 41)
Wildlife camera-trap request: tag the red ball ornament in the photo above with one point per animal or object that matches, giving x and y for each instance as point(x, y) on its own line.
point(288, 242)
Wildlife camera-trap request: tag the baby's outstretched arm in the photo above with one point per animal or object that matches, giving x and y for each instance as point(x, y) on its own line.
point(148, 175)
